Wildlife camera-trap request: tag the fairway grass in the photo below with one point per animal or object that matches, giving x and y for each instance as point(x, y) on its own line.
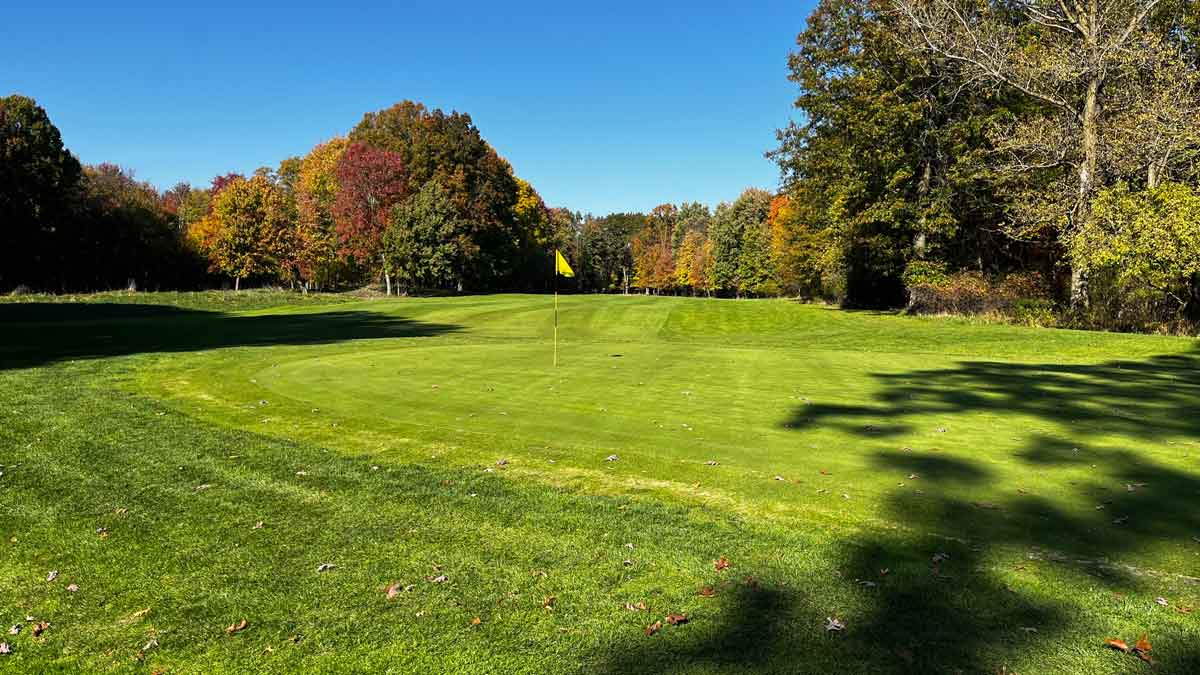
point(962, 497)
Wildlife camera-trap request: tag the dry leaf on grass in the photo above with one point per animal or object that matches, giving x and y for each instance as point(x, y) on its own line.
point(707, 592)
point(237, 627)
point(52, 575)
point(832, 624)
point(720, 563)
point(40, 627)
point(14, 629)
point(653, 628)
point(258, 525)
point(677, 619)
point(4, 648)
point(639, 607)
point(73, 588)
point(1117, 644)
point(325, 567)
point(476, 621)
point(439, 579)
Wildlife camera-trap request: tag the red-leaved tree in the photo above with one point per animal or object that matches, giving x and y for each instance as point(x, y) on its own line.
point(371, 181)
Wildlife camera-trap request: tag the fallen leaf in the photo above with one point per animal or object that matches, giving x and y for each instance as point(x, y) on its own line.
point(1117, 644)
point(73, 588)
point(720, 563)
point(502, 462)
point(325, 567)
point(639, 607)
point(237, 627)
point(393, 590)
point(40, 627)
point(780, 478)
point(439, 579)
point(1142, 649)
point(611, 458)
point(205, 486)
point(15, 629)
point(914, 476)
point(711, 462)
point(823, 472)
point(549, 602)
point(4, 648)
point(832, 624)
point(677, 619)
point(258, 525)
point(653, 628)
point(150, 645)
point(52, 575)
point(138, 614)
point(539, 573)
point(707, 592)
point(1161, 601)
point(1183, 609)
point(476, 621)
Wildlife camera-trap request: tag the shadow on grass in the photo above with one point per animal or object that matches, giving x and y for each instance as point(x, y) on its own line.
point(964, 585)
point(36, 334)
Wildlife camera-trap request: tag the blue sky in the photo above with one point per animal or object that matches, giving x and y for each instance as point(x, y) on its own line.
point(602, 106)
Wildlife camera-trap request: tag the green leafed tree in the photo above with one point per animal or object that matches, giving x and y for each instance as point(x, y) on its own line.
point(423, 244)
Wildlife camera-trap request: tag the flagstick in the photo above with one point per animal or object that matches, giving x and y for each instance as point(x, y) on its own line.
point(554, 261)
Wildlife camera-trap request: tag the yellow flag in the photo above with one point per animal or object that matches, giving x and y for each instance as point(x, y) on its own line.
point(561, 266)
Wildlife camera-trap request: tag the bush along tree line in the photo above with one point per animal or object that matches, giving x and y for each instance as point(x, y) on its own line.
point(1033, 158)
point(411, 198)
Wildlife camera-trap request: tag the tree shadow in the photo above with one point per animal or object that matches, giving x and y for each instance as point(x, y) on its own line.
point(959, 583)
point(36, 334)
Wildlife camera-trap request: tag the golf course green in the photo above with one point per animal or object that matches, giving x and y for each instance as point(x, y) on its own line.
point(410, 485)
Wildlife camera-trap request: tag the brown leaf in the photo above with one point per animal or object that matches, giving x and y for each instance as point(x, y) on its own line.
point(677, 619)
point(1117, 644)
point(654, 628)
point(548, 603)
point(823, 472)
point(721, 563)
point(439, 579)
point(1143, 645)
point(40, 627)
point(476, 621)
point(393, 590)
point(707, 592)
point(639, 607)
point(237, 627)
point(258, 525)
point(539, 573)
point(73, 587)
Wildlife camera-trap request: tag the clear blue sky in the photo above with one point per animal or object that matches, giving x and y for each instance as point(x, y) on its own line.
point(602, 106)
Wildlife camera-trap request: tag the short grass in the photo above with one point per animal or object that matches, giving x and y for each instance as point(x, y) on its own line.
point(829, 456)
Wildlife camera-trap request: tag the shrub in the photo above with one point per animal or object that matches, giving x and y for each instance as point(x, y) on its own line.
point(1022, 297)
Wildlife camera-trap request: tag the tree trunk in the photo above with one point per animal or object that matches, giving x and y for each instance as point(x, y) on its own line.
point(237, 283)
point(919, 238)
point(1087, 182)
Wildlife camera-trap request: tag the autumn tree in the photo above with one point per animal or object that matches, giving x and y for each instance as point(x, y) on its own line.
point(254, 226)
point(652, 250)
point(434, 145)
point(371, 181)
point(316, 190)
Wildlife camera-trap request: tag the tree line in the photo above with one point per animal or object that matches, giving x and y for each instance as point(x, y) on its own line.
point(1035, 158)
point(412, 198)
point(972, 153)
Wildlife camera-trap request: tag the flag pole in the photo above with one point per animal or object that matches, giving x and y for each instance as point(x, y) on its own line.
point(554, 271)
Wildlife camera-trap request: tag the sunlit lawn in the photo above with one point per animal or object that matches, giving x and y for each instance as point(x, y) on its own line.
point(959, 496)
